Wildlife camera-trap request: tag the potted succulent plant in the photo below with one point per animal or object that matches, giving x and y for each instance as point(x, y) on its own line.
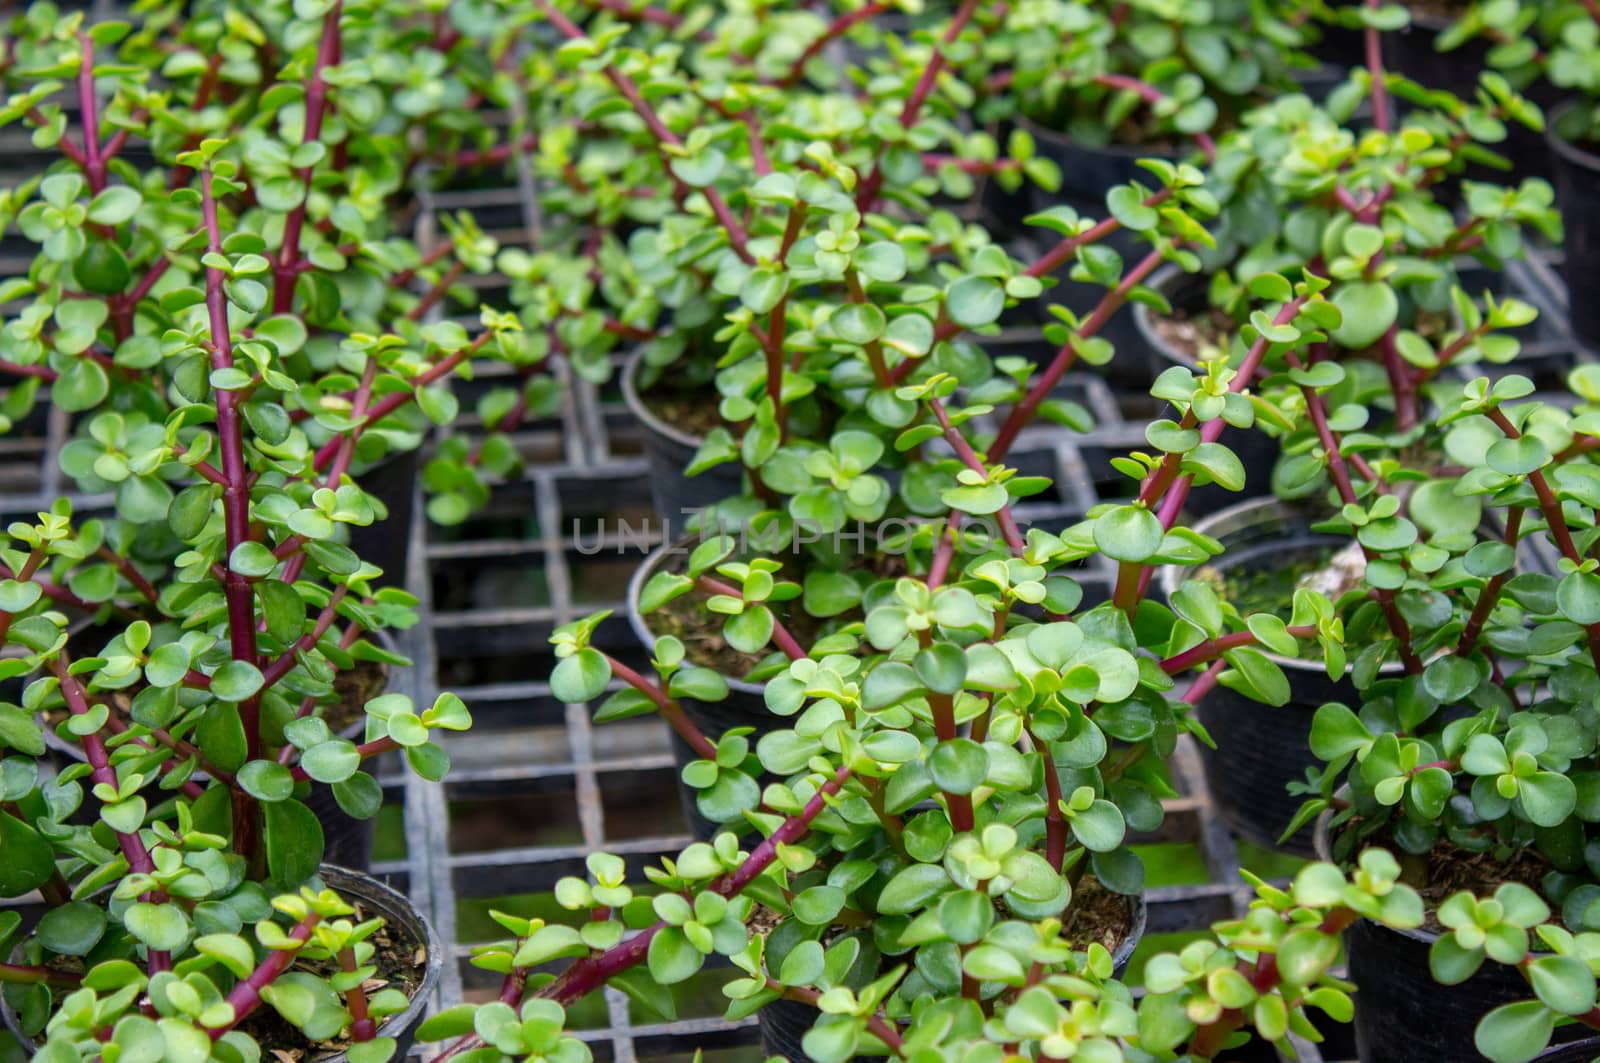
point(1551, 48)
point(1300, 191)
point(185, 312)
point(1469, 760)
point(946, 823)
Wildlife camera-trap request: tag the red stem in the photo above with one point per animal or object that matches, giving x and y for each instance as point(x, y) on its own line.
point(1025, 410)
point(836, 29)
point(246, 996)
point(867, 194)
point(316, 105)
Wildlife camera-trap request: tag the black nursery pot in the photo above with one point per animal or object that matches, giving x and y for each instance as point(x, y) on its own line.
point(669, 450)
point(1256, 451)
point(1578, 191)
point(1261, 748)
point(374, 898)
point(387, 543)
point(785, 1023)
point(745, 705)
point(1402, 1014)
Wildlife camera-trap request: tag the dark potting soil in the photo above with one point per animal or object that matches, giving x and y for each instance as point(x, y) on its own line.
point(701, 630)
point(1449, 869)
point(1268, 589)
point(401, 961)
point(1190, 334)
point(691, 412)
point(1442, 8)
point(353, 688)
point(1097, 915)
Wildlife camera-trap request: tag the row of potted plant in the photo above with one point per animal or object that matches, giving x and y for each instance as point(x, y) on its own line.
point(917, 764)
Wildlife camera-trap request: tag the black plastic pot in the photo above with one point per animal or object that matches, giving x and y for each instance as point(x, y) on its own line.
point(745, 705)
point(387, 543)
point(1256, 451)
point(785, 1023)
point(374, 898)
point(1577, 1052)
point(1260, 748)
point(669, 450)
point(1402, 1014)
point(1577, 173)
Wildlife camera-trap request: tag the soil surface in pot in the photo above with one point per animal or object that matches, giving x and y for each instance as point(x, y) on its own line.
point(1329, 570)
point(1450, 869)
point(701, 630)
point(690, 409)
point(1192, 333)
point(401, 962)
point(1097, 915)
point(1441, 8)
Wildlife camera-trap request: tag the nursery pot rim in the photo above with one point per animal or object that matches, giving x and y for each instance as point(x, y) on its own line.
point(1559, 144)
point(1173, 576)
point(636, 618)
point(347, 884)
point(1144, 316)
point(641, 410)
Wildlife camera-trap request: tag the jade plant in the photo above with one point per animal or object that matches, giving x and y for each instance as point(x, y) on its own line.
point(1265, 973)
point(787, 265)
point(966, 752)
point(1151, 74)
point(297, 172)
point(1556, 43)
point(219, 303)
point(1302, 189)
point(1479, 739)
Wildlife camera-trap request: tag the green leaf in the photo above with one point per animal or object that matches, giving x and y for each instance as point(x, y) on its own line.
point(1578, 597)
point(252, 559)
point(167, 665)
point(1128, 207)
point(158, 926)
point(580, 677)
point(958, 765)
point(332, 761)
point(1367, 310)
point(1563, 983)
point(266, 780)
point(1518, 457)
point(911, 888)
point(1515, 1033)
point(82, 385)
point(1128, 533)
point(1099, 827)
point(973, 302)
point(72, 929)
point(115, 205)
point(293, 842)
point(1547, 797)
point(858, 323)
point(236, 681)
point(672, 959)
